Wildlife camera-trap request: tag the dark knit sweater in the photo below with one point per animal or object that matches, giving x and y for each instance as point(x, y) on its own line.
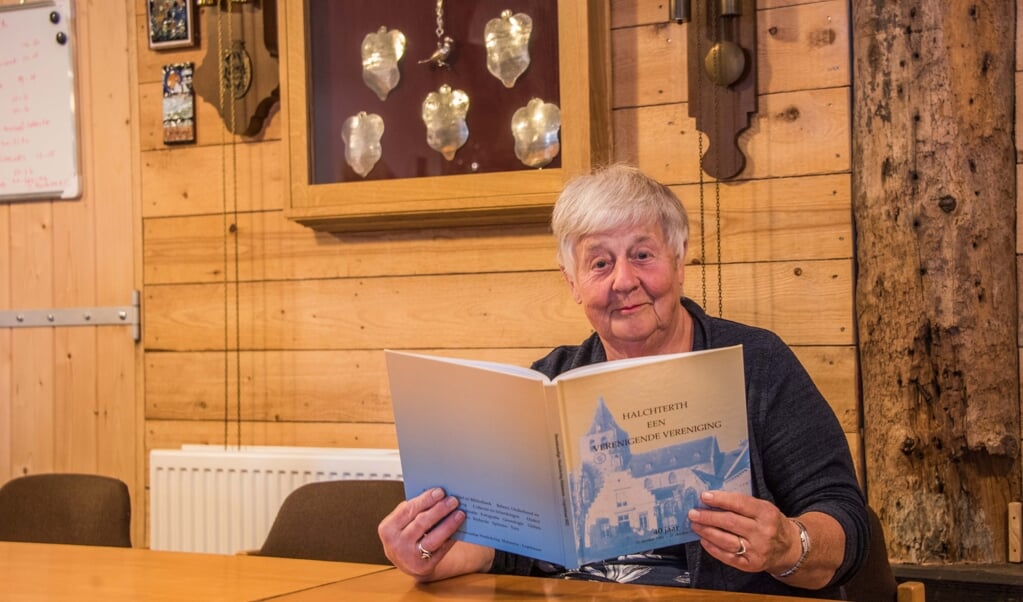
point(799, 456)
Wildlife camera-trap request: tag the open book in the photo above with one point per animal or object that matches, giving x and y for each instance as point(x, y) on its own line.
point(604, 460)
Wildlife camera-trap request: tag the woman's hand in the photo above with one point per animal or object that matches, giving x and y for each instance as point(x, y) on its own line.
point(417, 538)
point(753, 535)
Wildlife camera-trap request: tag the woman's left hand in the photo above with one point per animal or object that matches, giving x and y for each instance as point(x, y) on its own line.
point(745, 532)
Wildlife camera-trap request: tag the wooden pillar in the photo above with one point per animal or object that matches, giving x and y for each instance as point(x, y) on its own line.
point(934, 204)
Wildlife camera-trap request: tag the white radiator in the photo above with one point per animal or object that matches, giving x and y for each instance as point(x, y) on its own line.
point(205, 498)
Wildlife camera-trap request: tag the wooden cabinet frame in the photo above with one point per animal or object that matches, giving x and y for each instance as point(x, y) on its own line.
point(522, 196)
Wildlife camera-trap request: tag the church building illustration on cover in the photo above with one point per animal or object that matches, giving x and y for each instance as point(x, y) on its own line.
point(623, 498)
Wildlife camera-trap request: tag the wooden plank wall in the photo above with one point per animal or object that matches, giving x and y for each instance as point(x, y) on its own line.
point(68, 396)
point(298, 319)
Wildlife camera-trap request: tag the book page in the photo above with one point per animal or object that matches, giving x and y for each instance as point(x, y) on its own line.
point(483, 436)
point(483, 365)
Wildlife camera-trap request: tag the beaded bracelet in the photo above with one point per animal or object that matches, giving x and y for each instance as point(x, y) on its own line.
point(804, 542)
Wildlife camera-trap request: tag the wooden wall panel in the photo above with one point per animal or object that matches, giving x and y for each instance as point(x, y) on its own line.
point(33, 430)
point(73, 271)
point(69, 393)
point(649, 65)
point(287, 386)
point(626, 13)
point(774, 219)
point(793, 134)
point(799, 48)
point(6, 351)
point(803, 46)
point(206, 179)
point(271, 247)
point(761, 220)
point(403, 312)
point(170, 434)
point(804, 302)
point(76, 370)
point(351, 385)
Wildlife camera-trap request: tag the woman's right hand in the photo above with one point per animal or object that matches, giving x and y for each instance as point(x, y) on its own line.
point(417, 538)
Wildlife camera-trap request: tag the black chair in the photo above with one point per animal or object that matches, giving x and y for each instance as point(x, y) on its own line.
point(333, 520)
point(82, 509)
point(875, 582)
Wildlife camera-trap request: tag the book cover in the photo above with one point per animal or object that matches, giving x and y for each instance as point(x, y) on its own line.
point(602, 461)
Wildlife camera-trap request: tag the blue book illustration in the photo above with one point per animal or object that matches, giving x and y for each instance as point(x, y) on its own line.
point(626, 501)
point(603, 461)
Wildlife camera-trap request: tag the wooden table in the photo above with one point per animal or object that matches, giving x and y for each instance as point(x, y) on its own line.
point(30, 571)
point(393, 586)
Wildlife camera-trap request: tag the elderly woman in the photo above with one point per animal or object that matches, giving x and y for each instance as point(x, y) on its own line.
point(622, 240)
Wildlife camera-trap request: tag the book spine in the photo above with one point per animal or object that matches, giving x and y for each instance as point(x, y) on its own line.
point(556, 420)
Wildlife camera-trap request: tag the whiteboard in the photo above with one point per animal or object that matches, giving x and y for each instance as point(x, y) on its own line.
point(38, 126)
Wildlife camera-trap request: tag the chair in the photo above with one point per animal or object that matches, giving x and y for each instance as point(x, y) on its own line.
point(875, 580)
point(333, 520)
point(82, 509)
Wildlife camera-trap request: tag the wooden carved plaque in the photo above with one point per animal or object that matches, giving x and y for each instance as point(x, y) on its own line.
point(242, 55)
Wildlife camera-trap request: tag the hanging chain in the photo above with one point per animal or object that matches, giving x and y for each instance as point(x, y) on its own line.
point(234, 218)
point(445, 44)
point(717, 165)
point(224, 80)
point(440, 20)
point(717, 227)
point(699, 161)
point(223, 209)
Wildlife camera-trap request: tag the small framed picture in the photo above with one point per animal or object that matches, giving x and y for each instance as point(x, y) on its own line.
point(170, 23)
point(178, 104)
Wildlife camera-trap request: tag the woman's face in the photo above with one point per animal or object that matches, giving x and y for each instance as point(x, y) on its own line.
point(629, 283)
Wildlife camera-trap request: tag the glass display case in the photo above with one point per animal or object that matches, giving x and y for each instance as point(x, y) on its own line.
point(406, 114)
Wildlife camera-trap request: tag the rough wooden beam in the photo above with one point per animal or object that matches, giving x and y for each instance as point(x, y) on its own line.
point(933, 199)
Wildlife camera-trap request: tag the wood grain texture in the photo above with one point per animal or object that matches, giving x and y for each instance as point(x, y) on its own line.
point(272, 247)
point(798, 48)
point(804, 302)
point(61, 385)
point(205, 179)
point(628, 13)
point(6, 357)
point(761, 220)
point(170, 434)
point(936, 290)
point(351, 386)
point(33, 430)
point(793, 133)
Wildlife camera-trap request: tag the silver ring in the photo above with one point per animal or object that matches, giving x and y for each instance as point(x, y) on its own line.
point(742, 547)
point(426, 554)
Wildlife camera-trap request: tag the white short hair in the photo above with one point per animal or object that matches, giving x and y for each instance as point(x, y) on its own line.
point(612, 197)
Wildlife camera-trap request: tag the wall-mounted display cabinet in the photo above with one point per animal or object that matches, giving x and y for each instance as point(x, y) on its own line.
point(358, 76)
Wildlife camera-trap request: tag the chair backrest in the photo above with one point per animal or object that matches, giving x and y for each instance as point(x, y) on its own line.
point(875, 580)
point(81, 509)
point(333, 520)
